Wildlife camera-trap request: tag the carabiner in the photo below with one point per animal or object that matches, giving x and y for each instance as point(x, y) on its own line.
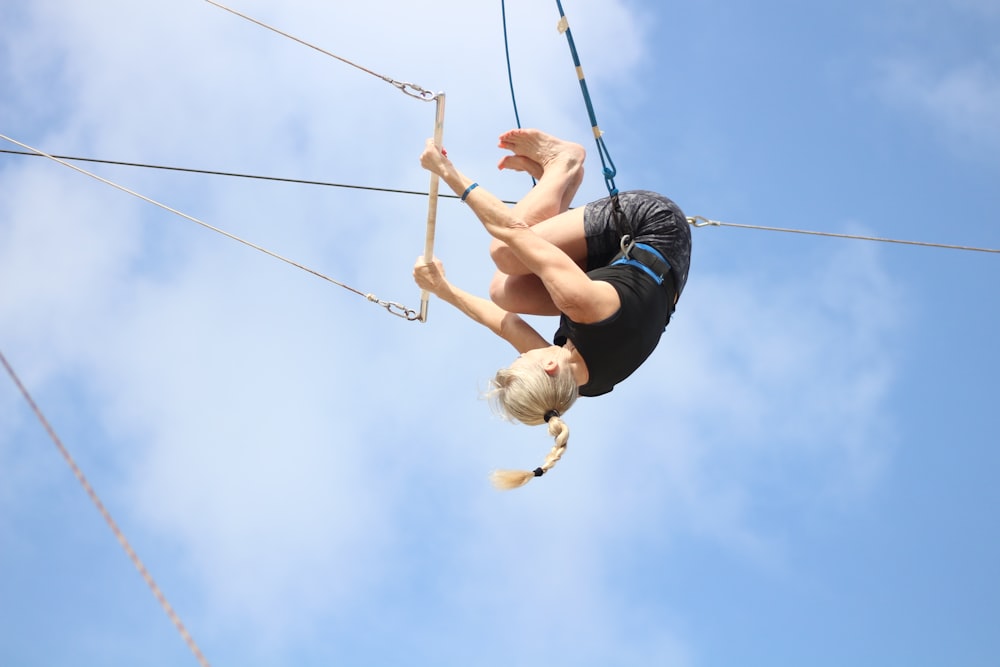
point(701, 221)
point(414, 90)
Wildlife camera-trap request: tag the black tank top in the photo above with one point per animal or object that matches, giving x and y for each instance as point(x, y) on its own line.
point(614, 348)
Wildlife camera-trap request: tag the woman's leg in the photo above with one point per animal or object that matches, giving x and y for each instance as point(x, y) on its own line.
point(525, 294)
point(517, 290)
point(565, 231)
point(558, 167)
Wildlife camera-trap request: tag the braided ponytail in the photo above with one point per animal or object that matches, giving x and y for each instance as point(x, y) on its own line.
point(512, 479)
point(528, 394)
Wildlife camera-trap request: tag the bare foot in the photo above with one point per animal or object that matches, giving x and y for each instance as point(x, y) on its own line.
point(542, 148)
point(521, 163)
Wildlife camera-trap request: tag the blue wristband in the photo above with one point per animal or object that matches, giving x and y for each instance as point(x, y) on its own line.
point(468, 190)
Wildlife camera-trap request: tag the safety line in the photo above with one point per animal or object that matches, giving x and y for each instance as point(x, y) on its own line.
point(607, 164)
point(392, 307)
point(119, 535)
point(510, 74)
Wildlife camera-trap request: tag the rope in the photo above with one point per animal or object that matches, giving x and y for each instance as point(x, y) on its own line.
point(510, 72)
point(608, 166)
point(410, 89)
point(119, 535)
point(510, 75)
point(392, 307)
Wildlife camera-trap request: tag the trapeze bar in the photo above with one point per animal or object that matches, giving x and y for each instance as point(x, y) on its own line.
point(432, 202)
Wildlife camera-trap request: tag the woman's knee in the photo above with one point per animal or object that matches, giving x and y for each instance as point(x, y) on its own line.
point(498, 290)
point(505, 259)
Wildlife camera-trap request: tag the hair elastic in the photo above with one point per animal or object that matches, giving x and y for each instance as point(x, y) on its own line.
point(538, 472)
point(468, 190)
point(550, 414)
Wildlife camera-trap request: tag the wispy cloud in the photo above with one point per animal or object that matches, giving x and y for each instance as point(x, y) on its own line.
point(765, 383)
point(946, 80)
point(962, 101)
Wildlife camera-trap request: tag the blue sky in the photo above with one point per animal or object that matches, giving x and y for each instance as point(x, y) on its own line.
point(802, 474)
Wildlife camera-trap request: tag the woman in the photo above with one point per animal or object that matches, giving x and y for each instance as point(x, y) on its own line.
point(612, 270)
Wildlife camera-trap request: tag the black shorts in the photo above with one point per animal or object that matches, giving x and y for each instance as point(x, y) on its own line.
point(655, 220)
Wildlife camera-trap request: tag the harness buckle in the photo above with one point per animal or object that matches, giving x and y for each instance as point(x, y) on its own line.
point(647, 259)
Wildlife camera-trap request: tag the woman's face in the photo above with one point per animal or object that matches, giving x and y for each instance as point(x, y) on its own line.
point(549, 358)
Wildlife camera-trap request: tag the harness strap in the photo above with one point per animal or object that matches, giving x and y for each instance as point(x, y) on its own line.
point(644, 257)
point(623, 224)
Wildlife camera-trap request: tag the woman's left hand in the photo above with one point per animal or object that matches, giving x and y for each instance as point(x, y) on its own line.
point(430, 276)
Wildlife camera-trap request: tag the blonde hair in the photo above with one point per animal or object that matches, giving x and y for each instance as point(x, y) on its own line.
point(528, 394)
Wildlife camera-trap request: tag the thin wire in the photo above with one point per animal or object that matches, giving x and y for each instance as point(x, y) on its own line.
point(696, 221)
point(410, 89)
point(699, 221)
point(391, 306)
point(211, 172)
point(95, 499)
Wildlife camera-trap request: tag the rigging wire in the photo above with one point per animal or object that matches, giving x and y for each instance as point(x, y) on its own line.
point(392, 307)
point(410, 89)
point(212, 172)
point(95, 499)
point(696, 221)
point(699, 221)
point(399, 310)
point(414, 91)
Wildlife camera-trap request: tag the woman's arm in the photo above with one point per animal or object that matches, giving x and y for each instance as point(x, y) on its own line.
point(509, 326)
point(573, 292)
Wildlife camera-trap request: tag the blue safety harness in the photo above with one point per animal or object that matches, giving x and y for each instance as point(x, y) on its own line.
point(645, 257)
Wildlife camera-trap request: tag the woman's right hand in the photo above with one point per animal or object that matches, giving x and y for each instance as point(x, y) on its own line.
point(435, 159)
point(430, 276)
